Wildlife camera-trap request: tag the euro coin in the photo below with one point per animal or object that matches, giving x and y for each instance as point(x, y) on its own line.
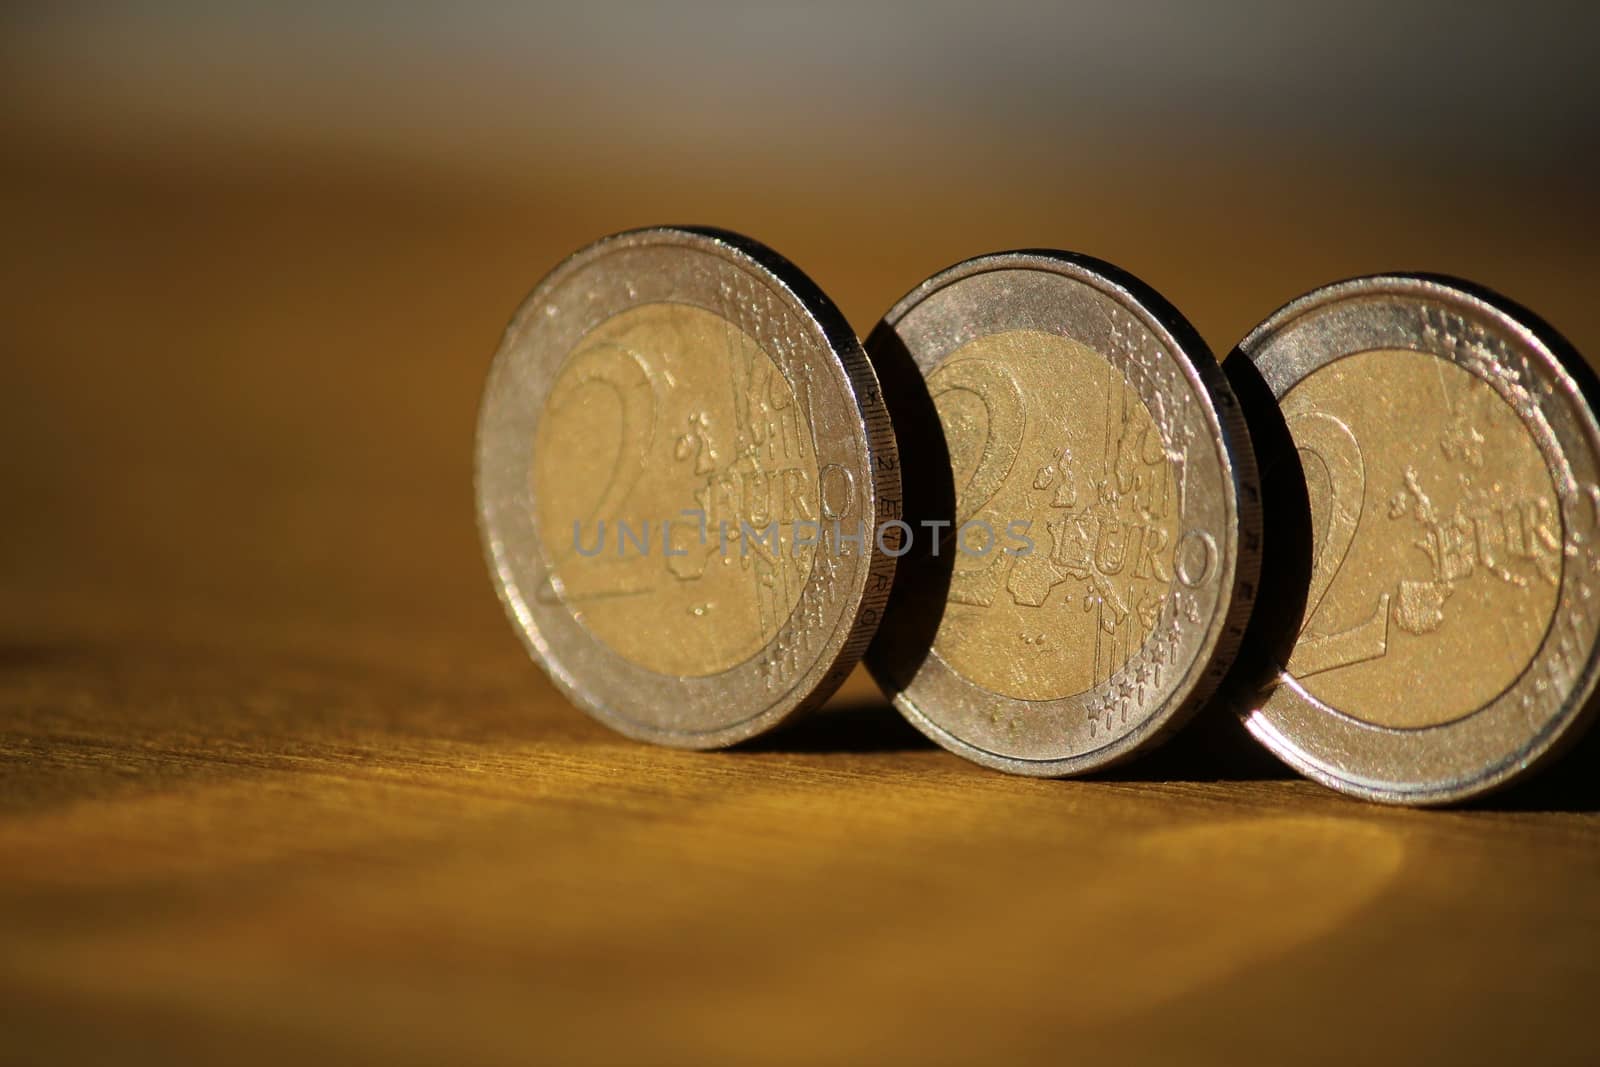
point(683, 461)
point(1449, 449)
point(1092, 581)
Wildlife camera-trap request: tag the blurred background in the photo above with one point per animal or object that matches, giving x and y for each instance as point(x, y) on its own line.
point(258, 256)
point(287, 781)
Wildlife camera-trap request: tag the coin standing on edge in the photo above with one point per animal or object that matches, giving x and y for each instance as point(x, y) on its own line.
point(1452, 464)
point(1100, 569)
point(682, 459)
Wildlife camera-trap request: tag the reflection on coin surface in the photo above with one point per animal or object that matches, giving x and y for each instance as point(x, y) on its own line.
point(1105, 538)
point(683, 458)
point(1450, 460)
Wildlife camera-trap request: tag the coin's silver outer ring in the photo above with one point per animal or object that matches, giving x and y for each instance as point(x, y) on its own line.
point(1468, 757)
point(848, 422)
point(1207, 651)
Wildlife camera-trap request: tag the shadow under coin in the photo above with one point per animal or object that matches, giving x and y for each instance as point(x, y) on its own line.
point(1213, 747)
point(1571, 783)
point(861, 727)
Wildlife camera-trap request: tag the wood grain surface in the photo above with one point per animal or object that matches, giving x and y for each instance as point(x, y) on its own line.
point(278, 783)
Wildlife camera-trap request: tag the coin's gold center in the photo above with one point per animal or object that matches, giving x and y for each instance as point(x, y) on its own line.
point(663, 410)
point(1047, 437)
point(1437, 539)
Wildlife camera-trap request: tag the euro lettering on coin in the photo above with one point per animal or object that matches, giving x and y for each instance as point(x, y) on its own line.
point(682, 460)
point(1105, 536)
point(1452, 467)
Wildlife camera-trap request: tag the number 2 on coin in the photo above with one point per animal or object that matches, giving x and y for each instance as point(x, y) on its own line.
point(1321, 435)
point(1005, 413)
